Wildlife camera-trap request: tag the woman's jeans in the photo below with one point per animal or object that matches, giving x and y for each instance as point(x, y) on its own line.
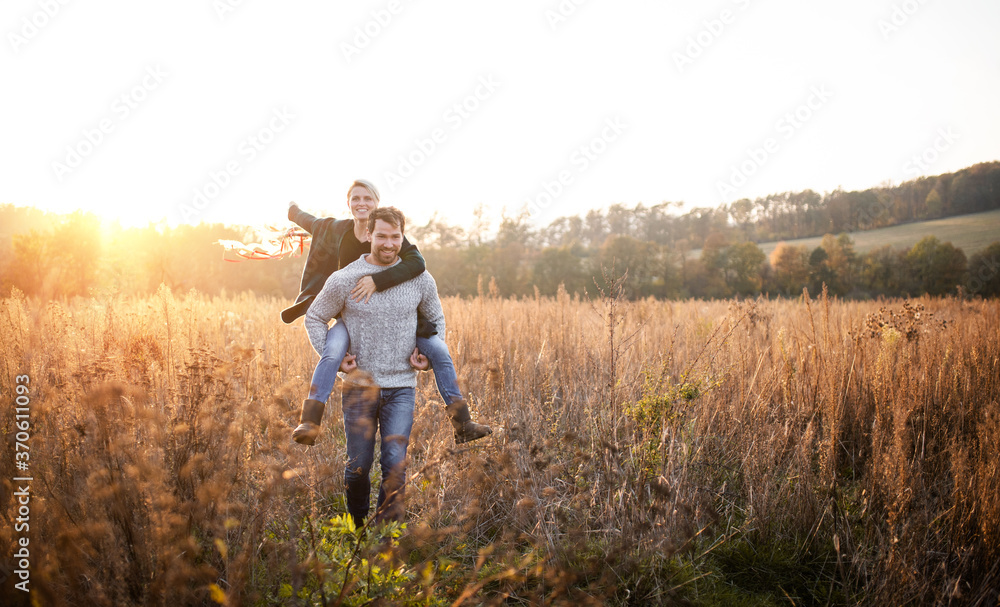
point(337, 342)
point(368, 411)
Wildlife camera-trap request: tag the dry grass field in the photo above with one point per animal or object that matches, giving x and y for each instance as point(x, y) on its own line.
point(790, 452)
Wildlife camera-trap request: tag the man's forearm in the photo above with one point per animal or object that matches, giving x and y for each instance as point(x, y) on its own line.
point(316, 329)
point(430, 306)
point(318, 317)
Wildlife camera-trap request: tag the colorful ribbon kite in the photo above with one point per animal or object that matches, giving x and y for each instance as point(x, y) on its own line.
point(275, 244)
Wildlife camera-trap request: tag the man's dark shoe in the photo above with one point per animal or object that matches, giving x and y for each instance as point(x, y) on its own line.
point(465, 429)
point(309, 421)
point(359, 525)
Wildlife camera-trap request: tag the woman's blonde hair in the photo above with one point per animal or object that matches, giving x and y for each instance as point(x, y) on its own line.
point(366, 184)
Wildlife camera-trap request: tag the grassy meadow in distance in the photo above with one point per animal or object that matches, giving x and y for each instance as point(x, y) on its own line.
point(972, 233)
point(803, 451)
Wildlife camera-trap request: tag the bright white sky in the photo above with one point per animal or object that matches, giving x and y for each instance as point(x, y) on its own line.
point(636, 101)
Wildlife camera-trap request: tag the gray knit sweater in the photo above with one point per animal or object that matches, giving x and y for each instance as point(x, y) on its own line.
point(383, 331)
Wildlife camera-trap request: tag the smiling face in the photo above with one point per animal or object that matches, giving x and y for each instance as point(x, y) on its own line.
point(361, 202)
point(387, 240)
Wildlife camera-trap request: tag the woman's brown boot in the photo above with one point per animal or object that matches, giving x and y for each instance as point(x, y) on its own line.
point(465, 429)
point(309, 421)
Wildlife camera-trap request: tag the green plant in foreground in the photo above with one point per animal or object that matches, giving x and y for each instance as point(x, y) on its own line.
point(357, 567)
point(664, 405)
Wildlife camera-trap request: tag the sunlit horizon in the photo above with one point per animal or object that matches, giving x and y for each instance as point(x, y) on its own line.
point(109, 218)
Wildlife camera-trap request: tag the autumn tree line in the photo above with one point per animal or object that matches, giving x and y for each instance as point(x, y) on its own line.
point(704, 253)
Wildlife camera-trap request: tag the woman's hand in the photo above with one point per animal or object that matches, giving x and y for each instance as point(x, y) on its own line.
point(364, 289)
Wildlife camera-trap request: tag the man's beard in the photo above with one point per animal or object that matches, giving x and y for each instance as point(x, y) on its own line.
point(386, 255)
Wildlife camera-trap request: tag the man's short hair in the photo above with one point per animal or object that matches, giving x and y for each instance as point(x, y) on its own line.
point(365, 184)
point(390, 215)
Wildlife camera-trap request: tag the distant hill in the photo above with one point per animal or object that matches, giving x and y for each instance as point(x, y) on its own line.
point(971, 233)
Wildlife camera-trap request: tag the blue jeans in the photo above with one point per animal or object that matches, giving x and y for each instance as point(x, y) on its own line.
point(337, 342)
point(368, 411)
